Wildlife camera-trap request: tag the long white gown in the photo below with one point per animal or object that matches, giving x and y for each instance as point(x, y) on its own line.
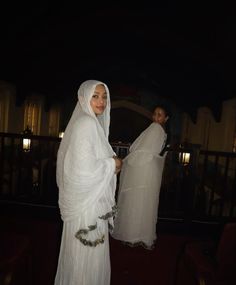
point(87, 182)
point(139, 189)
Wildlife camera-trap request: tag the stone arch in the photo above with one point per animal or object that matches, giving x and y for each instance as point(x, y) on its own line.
point(128, 120)
point(132, 106)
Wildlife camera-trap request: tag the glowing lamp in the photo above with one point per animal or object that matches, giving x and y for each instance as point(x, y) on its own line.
point(26, 140)
point(184, 158)
point(61, 134)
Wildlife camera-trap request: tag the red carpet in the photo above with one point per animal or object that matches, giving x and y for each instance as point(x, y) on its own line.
point(130, 266)
point(138, 266)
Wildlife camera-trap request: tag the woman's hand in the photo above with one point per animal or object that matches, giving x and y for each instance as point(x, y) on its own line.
point(118, 162)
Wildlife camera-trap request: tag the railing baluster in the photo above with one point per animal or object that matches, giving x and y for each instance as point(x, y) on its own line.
point(184, 187)
point(212, 193)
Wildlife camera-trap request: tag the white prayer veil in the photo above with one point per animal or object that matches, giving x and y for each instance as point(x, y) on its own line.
point(86, 180)
point(85, 168)
point(85, 93)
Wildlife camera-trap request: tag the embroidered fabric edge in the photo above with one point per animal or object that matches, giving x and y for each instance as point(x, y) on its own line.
point(80, 233)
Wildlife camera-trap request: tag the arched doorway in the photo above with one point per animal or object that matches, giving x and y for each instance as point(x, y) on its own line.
point(128, 120)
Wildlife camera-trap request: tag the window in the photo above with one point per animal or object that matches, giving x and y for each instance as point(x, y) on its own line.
point(32, 116)
point(234, 144)
point(4, 110)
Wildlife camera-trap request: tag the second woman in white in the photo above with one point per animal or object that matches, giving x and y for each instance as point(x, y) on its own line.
point(140, 183)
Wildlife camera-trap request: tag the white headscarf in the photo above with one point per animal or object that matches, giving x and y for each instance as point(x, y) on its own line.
point(85, 167)
point(85, 93)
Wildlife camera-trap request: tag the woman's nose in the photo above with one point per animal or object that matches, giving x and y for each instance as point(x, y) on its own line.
point(101, 100)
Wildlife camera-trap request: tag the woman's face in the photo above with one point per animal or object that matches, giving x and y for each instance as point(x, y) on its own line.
point(98, 101)
point(159, 116)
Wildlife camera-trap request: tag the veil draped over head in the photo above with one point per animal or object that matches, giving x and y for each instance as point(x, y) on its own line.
point(85, 94)
point(85, 167)
point(87, 182)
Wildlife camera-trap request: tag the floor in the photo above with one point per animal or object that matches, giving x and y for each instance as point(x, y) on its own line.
point(138, 266)
point(130, 266)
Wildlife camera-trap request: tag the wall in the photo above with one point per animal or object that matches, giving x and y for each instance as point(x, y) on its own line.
point(12, 115)
point(211, 135)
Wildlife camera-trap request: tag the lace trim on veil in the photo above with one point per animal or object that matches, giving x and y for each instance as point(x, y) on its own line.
point(84, 232)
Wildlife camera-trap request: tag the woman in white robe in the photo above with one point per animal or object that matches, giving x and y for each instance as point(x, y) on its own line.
point(140, 183)
point(86, 178)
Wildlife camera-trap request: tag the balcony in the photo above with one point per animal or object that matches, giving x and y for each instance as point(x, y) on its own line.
point(201, 190)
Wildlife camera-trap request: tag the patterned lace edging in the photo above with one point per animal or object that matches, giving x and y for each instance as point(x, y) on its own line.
point(140, 243)
point(109, 214)
point(79, 234)
point(87, 242)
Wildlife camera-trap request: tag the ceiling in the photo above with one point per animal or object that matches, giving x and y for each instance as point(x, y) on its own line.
point(183, 52)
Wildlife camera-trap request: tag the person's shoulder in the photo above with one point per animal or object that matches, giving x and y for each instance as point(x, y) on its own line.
point(86, 121)
point(156, 127)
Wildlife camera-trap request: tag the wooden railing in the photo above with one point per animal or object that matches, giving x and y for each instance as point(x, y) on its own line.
point(216, 184)
point(203, 189)
point(28, 176)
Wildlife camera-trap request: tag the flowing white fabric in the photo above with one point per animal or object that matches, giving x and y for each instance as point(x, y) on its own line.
point(139, 188)
point(86, 180)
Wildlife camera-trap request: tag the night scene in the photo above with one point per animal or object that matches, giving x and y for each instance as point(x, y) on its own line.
point(118, 143)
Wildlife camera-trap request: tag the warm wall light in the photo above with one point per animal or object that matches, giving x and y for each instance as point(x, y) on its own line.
point(26, 140)
point(184, 158)
point(61, 134)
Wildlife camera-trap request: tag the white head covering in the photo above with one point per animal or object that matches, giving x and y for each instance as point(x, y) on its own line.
point(85, 93)
point(85, 167)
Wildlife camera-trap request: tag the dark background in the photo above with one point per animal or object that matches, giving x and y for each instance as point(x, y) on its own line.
point(183, 51)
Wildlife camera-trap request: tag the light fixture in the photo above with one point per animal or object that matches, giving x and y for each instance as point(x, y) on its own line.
point(61, 134)
point(184, 158)
point(26, 140)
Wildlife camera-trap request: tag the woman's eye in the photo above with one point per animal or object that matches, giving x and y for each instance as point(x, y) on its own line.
point(95, 96)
